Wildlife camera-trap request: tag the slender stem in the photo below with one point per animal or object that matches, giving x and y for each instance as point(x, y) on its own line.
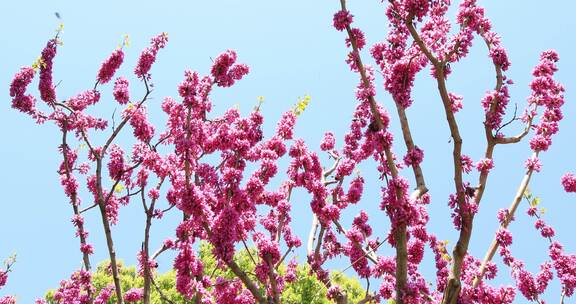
point(409, 142)
point(511, 211)
point(74, 197)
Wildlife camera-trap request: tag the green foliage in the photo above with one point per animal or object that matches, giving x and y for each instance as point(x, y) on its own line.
point(306, 288)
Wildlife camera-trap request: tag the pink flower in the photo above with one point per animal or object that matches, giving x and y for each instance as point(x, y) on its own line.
point(104, 295)
point(533, 164)
point(569, 182)
point(466, 163)
point(7, 300)
point(109, 66)
point(148, 55)
point(286, 125)
point(334, 292)
point(455, 102)
point(499, 57)
point(414, 157)
point(358, 37)
point(485, 165)
point(342, 19)
point(46, 87)
point(225, 70)
point(3, 278)
point(21, 101)
point(504, 237)
point(120, 92)
point(87, 248)
point(328, 141)
point(83, 100)
point(134, 295)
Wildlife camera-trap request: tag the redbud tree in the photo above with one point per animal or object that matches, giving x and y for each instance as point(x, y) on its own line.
point(216, 171)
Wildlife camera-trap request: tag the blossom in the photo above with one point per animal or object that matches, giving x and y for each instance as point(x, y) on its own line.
point(466, 163)
point(109, 66)
point(485, 165)
point(83, 100)
point(357, 38)
point(328, 141)
point(104, 295)
point(455, 102)
point(21, 101)
point(46, 87)
point(87, 248)
point(342, 19)
point(533, 164)
point(7, 300)
point(225, 70)
point(3, 278)
point(569, 182)
point(414, 157)
point(143, 130)
point(286, 125)
point(133, 295)
point(148, 55)
point(120, 92)
point(504, 237)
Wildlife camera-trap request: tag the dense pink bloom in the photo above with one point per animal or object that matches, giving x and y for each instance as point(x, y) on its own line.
point(225, 70)
point(547, 93)
point(286, 125)
point(109, 66)
point(328, 142)
point(414, 157)
point(533, 164)
point(104, 295)
point(504, 237)
point(3, 278)
point(569, 182)
point(46, 87)
point(7, 300)
point(87, 248)
point(342, 19)
point(485, 165)
point(148, 55)
point(143, 130)
point(133, 295)
point(21, 101)
point(358, 38)
point(83, 100)
point(121, 93)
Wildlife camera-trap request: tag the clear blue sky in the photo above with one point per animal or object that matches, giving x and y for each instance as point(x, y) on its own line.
point(292, 50)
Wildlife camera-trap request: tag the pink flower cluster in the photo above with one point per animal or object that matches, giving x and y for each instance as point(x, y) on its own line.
point(133, 295)
point(46, 87)
point(569, 182)
point(121, 93)
point(21, 101)
point(342, 19)
point(225, 70)
point(110, 66)
point(485, 165)
point(547, 93)
point(148, 55)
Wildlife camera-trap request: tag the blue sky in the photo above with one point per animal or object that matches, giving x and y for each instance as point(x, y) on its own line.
point(292, 50)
